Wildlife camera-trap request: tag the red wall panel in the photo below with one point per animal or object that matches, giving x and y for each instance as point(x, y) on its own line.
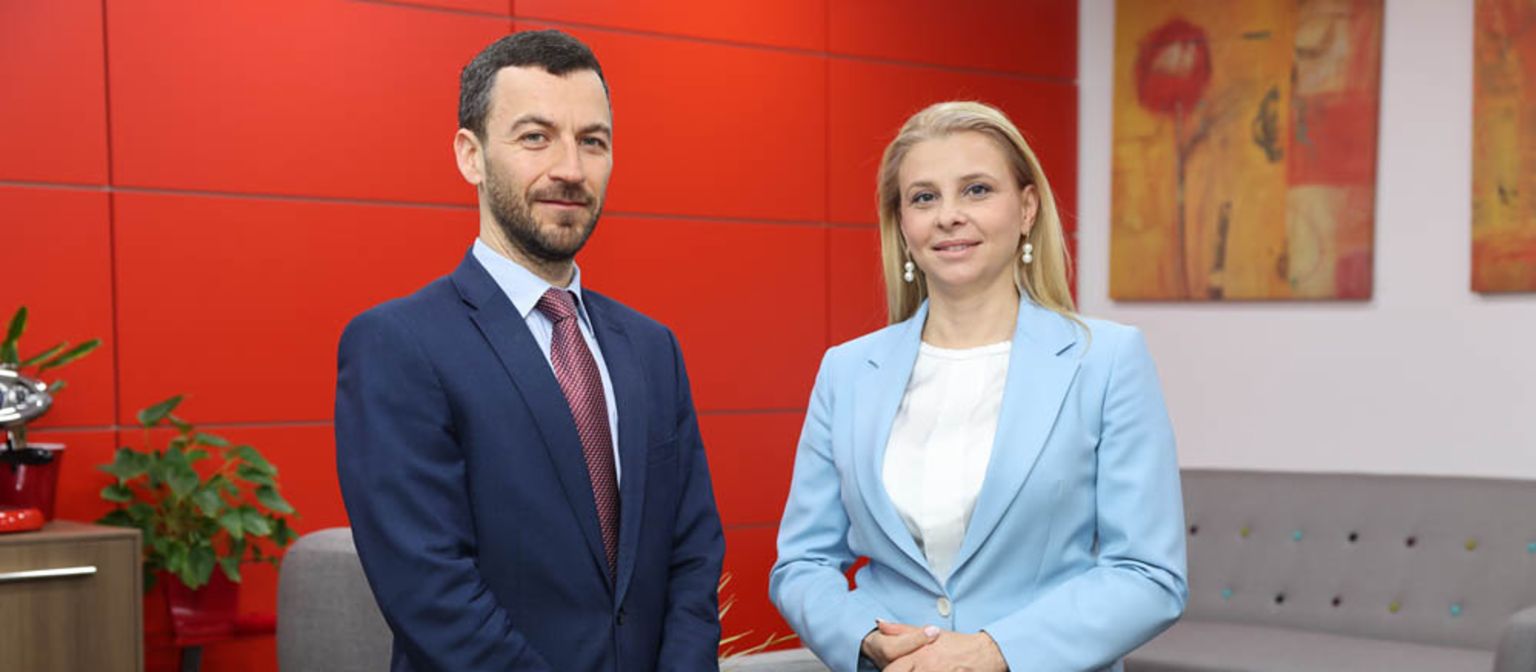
point(797, 24)
point(1034, 37)
point(499, 7)
point(712, 130)
point(747, 301)
point(53, 108)
point(870, 101)
point(239, 303)
point(751, 458)
point(328, 98)
point(858, 292)
point(63, 274)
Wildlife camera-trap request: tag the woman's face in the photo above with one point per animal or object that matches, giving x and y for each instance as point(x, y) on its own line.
point(963, 214)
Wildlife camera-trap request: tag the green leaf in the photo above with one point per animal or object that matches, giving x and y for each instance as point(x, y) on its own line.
point(210, 440)
point(182, 478)
point(117, 492)
point(250, 473)
point(197, 454)
point(208, 501)
point(56, 387)
point(152, 416)
point(127, 464)
point(46, 354)
point(181, 425)
point(75, 353)
point(158, 470)
point(8, 354)
point(218, 482)
point(17, 328)
point(269, 498)
point(200, 562)
point(117, 518)
point(175, 555)
point(281, 533)
point(233, 522)
point(141, 511)
point(231, 567)
point(253, 458)
point(255, 523)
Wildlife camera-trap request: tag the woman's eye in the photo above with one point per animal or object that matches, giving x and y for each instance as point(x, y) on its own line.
point(922, 197)
point(978, 190)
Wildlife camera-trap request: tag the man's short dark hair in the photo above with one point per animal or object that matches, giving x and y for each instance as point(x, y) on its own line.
point(555, 52)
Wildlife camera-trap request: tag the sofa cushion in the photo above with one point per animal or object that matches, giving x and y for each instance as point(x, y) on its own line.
point(1205, 646)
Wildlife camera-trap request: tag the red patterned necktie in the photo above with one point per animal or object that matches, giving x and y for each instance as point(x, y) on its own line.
point(582, 384)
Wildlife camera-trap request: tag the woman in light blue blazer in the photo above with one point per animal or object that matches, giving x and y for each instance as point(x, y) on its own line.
point(1007, 466)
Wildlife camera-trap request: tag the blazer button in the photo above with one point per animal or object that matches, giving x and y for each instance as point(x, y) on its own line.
point(944, 607)
point(620, 619)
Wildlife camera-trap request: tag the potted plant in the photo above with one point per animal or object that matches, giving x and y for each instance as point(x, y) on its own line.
point(29, 473)
point(204, 506)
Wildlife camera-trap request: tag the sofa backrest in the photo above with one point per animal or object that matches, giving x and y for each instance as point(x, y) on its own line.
point(327, 619)
point(1425, 559)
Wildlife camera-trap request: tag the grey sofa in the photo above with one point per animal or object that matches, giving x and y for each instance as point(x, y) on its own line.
point(1288, 571)
point(1292, 571)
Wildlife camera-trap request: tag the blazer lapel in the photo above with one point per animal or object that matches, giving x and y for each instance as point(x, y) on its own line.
point(507, 332)
point(877, 398)
point(1039, 373)
point(629, 393)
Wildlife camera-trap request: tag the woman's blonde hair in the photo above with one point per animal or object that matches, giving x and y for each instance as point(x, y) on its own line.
point(1044, 280)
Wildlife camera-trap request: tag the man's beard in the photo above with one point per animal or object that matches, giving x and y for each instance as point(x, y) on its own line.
point(514, 216)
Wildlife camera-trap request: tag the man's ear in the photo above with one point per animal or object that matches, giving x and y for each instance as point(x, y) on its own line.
point(470, 155)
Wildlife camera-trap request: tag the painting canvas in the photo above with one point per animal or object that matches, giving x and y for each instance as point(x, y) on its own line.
point(1504, 147)
point(1244, 162)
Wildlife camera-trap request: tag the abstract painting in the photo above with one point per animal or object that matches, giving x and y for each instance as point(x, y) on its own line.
point(1504, 147)
point(1244, 162)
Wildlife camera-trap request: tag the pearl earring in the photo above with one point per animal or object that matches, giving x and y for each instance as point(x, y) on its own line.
point(1029, 252)
point(909, 271)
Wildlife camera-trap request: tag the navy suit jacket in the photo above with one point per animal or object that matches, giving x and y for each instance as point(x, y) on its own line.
point(470, 503)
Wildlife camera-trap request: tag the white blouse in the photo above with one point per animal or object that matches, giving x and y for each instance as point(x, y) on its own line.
point(940, 444)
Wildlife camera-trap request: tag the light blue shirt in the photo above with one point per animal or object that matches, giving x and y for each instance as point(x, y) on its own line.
point(524, 289)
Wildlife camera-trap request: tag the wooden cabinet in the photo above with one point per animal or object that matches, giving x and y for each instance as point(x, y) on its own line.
point(70, 599)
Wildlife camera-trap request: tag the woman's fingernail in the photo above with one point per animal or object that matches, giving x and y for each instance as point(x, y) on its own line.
point(931, 631)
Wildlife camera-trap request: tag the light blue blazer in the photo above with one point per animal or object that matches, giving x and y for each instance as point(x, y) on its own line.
point(1074, 555)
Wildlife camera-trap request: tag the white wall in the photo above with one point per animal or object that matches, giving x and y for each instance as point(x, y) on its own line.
point(1426, 377)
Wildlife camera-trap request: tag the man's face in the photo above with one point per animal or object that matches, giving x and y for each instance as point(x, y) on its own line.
point(548, 154)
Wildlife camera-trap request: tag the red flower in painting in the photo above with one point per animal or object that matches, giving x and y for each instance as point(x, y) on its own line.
point(1173, 67)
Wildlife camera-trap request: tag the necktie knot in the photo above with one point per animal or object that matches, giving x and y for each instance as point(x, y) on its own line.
point(557, 304)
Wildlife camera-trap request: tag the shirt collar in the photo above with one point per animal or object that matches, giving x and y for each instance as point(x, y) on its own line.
point(520, 284)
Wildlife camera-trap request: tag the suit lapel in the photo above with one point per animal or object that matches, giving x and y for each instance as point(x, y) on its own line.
point(507, 332)
point(1039, 373)
point(877, 398)
point(629, 393)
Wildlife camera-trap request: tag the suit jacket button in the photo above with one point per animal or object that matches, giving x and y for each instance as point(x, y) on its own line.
point(621, 617)
point(944, 607)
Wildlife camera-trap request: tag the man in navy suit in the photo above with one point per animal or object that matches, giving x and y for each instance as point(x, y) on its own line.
point(519, 455)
